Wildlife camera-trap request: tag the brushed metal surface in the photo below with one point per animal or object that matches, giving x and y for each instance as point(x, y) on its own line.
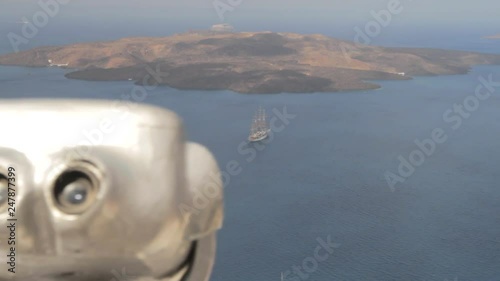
point(143, 172)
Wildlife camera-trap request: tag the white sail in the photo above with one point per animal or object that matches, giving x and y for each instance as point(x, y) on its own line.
point(259, 129)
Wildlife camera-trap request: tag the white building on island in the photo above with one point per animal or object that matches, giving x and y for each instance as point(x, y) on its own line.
point(223, 27)
point(57, 64)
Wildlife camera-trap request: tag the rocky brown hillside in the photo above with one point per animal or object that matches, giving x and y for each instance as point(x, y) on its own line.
point(249, 62)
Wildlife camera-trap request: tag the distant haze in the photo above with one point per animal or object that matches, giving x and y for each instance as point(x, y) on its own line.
point(421, 23)
point(447, 12)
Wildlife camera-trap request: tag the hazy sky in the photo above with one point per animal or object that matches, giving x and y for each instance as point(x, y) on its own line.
point(415, 11)
point(337, 18)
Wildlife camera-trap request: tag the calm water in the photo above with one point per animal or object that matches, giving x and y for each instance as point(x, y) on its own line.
point(324, 174)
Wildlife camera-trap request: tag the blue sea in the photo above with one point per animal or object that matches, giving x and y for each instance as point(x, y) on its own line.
point(323, 176)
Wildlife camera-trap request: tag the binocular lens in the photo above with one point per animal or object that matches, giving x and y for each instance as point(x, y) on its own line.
point(74, 192)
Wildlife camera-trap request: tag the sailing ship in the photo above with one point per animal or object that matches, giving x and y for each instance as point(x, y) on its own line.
point(259, 130)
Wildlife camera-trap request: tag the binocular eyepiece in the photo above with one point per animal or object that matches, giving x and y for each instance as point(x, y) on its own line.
point(89, 191)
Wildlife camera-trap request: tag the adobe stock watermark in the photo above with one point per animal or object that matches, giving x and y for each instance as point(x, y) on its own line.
point(40, 19)
point(455, 117)
point(373, 28)
point(223, 6)
point(309, 265)
point(201, 199)
point(122, 276)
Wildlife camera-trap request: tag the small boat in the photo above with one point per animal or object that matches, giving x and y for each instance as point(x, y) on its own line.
point(259, 130)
